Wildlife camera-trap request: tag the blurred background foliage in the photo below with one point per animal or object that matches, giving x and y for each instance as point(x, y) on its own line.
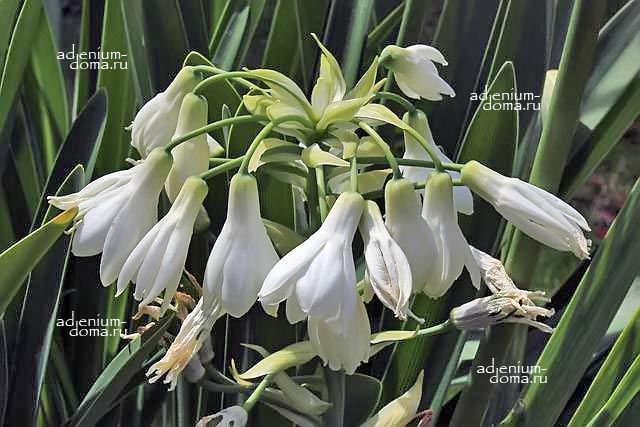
point(54, 118)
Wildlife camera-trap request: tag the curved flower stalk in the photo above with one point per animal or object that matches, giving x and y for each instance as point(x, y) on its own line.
point(156, 263)
point(193, 334)
point(410, 230)
point(401, 411)
point(415, 72)
point(116, 211)
point(453, 250)
point(156, 121)
point(388, 269)
point(462, 197)
point(243, 254)
point(191, 157)
point(534, 211)
point(506, 306)
point(318, 281)
point(233, 416)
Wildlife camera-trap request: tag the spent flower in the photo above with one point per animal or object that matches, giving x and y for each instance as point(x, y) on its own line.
point(505, 306)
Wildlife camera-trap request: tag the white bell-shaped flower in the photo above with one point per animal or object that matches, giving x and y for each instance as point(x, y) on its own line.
point(534, 211)
point(318, 281)
point(156, 121)
point(410, 230)
point(462, 197)
point(243, 254)
point(388, 269)
point(233, 416)
point(191, 157)
point(156, 263)
point(347, 348)
point(453, 250)
point(415, 72)
point(116, 211)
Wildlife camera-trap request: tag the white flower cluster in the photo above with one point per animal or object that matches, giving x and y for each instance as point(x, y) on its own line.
point(418, 247)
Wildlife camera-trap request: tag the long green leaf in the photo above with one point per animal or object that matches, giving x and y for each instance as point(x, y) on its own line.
point(115, 377)
point(18, 261)
point(17, 56)
point(356, 36)
point(37, 319)
point(116, 80)
point(625, 350)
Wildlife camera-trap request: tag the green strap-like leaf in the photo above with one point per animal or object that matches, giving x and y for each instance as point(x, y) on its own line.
point(625, 350)
point(18, 261)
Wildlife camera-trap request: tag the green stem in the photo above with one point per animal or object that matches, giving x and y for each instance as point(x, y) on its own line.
point(254, 145)
point(430, 149)
point(393, 163)
point(322, 193)
point(255, 396)
point(353, 174)
point(216, 70)
point(409, 162)
point(398, 99)
point(219, 160)
point(213, 126)
point(227, 166)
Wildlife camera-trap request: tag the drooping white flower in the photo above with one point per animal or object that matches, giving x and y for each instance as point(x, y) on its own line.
point(410, 230)
point(156, 121)
point(415, 72)
point(505, 306)
point(116, 211)
point(453, 250)
point(191, 157)
point(194, 333)
point(318, 281)
point(534, 211)
point(233, 416)
point(401, 411)
point(388, 269)
point(462, 197)
point(156, 263)
point(243, 253)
